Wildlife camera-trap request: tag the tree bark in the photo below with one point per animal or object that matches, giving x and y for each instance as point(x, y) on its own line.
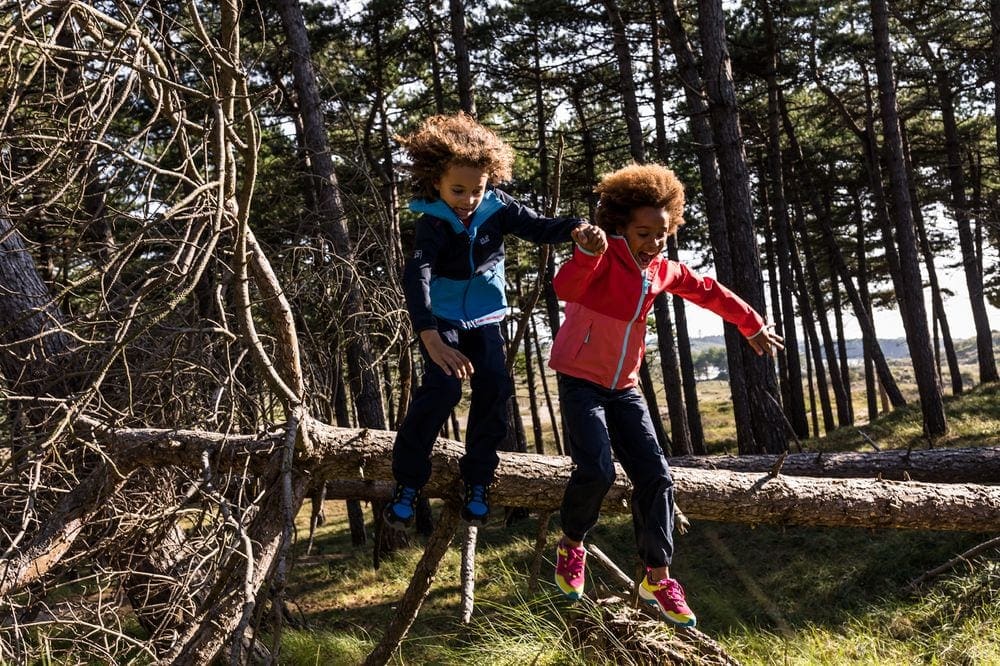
point(759, 421)
point(971, 465)
point(939, 316)
point(809, 327)
point(649, 393)
point(680, 435)
point(463, 68)
point(360, 461)
point(861, 305)
point(33, 356)
point(995, 35)
point(871, 390)
point(626, 81)
point(689, 383)
point(911, 300)
point(708, 169)
point(820, 311)
point(792, 379)
point(362, 375)
point(960, 209)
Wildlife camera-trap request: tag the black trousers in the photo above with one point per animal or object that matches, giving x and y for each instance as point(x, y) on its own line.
point(438, 394)
point(600, 421)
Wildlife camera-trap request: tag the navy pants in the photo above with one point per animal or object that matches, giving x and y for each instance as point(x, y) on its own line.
point(439, 393)
point(600, 421)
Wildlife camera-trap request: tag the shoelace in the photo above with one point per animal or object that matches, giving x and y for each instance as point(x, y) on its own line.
point(672, 588)
point(407, 496)
point(574, 559)
point(477, 494)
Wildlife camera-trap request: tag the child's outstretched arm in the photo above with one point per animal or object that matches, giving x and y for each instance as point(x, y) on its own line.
point(766, 341)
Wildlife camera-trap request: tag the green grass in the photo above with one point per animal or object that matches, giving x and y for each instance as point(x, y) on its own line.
point(768, 594)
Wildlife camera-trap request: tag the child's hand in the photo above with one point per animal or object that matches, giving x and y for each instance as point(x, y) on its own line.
point(767, 341)
point(452, 361)
point(591, 238)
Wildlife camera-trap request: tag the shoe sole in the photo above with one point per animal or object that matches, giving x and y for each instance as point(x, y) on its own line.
point(397, 525)
point(571, 594)
point(473, 520)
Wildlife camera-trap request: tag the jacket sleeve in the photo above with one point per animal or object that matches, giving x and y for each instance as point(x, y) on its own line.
point(417, 273)
point(525, 223)
point(574, 278)
point(713, 295)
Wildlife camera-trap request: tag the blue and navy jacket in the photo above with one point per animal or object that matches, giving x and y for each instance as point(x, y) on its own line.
point(457, 273)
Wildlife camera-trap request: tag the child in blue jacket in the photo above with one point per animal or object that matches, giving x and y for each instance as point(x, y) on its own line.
point(454, 288)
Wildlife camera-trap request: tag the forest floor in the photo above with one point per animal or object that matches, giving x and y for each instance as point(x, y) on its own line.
point(768, 594)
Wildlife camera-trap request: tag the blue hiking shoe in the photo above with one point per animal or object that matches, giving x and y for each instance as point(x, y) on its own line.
point(476, 509)
point(398, 513)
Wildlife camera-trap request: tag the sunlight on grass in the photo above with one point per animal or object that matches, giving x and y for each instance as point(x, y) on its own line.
point(782, 595)
point(323, 648)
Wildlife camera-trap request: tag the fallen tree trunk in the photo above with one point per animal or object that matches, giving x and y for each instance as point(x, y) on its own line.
point(971, 465)
point(361, 460)
point(536, 482)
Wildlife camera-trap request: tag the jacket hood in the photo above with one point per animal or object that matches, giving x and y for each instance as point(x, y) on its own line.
point(438, 208)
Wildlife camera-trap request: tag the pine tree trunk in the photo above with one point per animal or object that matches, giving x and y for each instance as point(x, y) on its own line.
point(809, 326)
point(362, 375)
point(626, 81)
point(995, 41)
point(969, 465)
point(693, 86)
point(34, 355)
point(938, 314)
point(649, 392)
point(838, 319)
point(759, 421)
point(680, 436)
point(689, 382)
point(862, 307)
point(535, 482)
point(871, 390)
point(794, 400)
point(820, 313)
point(960, 210)
point(463, 68)
point(545, 390)
point(911, 297)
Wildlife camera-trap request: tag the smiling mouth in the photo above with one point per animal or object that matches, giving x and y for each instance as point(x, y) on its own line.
point(644, 258)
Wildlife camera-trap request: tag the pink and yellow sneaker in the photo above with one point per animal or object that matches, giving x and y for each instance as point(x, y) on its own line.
point(570, 563)
point(668, 596)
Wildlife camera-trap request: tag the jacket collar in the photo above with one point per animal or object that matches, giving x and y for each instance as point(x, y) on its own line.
point(490, 204)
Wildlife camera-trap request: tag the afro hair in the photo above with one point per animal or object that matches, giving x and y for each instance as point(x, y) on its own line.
point(445, 140)
point(635, 186)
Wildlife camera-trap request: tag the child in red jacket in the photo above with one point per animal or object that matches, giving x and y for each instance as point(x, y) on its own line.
point(609, 285)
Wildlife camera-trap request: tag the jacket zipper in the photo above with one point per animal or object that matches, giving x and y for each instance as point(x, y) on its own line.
point(628, 330)
point(471, 233)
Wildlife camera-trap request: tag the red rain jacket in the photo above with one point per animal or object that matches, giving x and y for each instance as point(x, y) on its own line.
point(608, 297)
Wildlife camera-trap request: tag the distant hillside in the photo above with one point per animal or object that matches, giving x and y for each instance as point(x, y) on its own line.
point(892, 348)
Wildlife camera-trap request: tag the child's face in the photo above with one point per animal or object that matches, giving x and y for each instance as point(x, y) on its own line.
point(646, 233)
point(462, 188)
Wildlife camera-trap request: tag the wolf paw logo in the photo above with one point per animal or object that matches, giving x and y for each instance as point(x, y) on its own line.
point(483, 240)
point(418, 254)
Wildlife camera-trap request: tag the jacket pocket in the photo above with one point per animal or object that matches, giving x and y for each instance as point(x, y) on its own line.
point(585, 340)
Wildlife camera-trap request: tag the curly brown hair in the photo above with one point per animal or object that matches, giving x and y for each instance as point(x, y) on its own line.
point(635, 186)
point(446, 140)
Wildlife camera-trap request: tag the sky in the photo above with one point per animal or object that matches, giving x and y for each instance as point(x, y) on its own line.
point(888, 323)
